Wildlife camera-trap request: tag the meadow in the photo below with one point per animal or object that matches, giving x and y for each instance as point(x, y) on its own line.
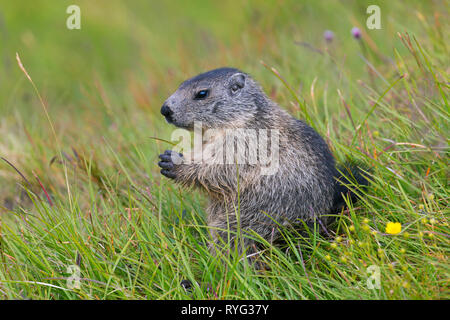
point(81, 195)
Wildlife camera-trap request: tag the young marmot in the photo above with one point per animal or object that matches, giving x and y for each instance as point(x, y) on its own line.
point(305, 184)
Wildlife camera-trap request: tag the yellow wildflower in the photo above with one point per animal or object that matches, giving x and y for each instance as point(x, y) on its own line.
point(393, 227)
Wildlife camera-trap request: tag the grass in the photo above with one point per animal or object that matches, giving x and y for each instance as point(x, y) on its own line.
point(79, 184)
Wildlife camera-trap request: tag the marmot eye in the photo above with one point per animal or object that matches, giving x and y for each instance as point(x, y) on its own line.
point(202, 94)
point(234, 87)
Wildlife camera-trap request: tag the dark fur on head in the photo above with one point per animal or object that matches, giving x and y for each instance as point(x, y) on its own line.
point(224, 87)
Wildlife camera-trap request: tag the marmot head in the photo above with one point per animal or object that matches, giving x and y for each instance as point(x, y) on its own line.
point(220, 98)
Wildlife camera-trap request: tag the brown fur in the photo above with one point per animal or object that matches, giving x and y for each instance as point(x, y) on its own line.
point(241, 199)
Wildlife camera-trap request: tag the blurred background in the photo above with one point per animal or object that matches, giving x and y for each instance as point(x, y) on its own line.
point(105, 82)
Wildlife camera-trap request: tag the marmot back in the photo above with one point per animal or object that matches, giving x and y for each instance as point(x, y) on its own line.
point(303, 185)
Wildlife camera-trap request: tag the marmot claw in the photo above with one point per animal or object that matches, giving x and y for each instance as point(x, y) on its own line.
point(167, 163)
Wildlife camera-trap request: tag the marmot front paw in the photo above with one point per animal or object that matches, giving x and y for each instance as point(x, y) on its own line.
point(169, 160)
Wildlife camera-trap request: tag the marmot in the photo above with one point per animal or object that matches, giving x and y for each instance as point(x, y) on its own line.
point(306, 184)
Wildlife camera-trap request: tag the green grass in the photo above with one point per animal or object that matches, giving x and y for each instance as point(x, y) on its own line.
point(91, 193)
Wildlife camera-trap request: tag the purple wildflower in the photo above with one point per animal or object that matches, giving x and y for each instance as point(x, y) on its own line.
point(356, 33)
point(328, 35)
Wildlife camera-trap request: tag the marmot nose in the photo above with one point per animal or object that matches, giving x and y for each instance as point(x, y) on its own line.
point(166, 112)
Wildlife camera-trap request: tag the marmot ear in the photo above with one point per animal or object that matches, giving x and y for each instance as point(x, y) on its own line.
point(236, 83)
